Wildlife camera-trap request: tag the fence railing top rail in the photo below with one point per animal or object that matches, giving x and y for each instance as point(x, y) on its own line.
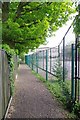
point(67, 32)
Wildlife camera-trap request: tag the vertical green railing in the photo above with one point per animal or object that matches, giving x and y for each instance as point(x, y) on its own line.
point(76, 69)
point(72, 75)
point(37, 62)
point(78, 75)
point(28, 60)
point(46, 64)
point(58, 50)
point(32, 57)
point(63, 59)
point(43, 59)
point(50, 59)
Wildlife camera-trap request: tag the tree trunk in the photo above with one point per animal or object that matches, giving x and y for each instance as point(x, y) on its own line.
point(5, 11)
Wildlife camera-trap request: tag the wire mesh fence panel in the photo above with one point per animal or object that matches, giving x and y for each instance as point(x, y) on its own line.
point(52, 59)
point(68, 61)
point(76, 71)
point(41, 59)
point(65, 61)
point(78, 68)
point(35, 62)
point(78, 75)
point(68, 54)
point(42, 63)
point(62, 53)
point(47, 63)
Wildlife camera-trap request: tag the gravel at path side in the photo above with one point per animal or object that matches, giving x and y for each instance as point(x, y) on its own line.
point(31, 98)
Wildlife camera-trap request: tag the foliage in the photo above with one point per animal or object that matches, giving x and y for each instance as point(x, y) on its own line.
point(63, 93)
point(58, 70)
point(76, 22)
point(57, 90)
point(10, 54)
point(76, 25)
point(27, 24)
point(8, 49)
point(11, 64)
point(22, 56)
point(77, 108)
point(66, 88)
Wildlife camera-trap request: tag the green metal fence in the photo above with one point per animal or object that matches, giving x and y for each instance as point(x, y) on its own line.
point(77, 69)
point(46, 60)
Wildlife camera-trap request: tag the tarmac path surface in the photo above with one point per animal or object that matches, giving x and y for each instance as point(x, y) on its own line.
point(32, 99)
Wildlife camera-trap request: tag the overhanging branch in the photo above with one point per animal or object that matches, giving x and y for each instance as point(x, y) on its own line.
point(5, 11)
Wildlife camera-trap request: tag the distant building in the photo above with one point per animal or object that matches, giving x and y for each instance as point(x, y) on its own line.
point(42, 48)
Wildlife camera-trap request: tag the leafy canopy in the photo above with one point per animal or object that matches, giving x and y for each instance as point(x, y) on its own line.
point(76, 25)
point(27, 24)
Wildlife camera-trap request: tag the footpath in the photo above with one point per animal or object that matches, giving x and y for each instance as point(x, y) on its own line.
point(32, 99)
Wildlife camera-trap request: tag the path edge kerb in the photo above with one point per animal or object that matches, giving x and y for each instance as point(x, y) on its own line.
point(9, 103)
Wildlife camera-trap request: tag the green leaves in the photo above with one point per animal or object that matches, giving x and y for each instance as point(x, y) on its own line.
point(29, 23)
point(8, 49)
point(10, 55)
point(58, 70)
point(76, 25)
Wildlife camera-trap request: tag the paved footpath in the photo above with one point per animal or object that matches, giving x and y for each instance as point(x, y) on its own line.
point(31, 98)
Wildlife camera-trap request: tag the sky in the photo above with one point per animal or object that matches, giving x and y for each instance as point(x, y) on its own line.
point(55, 40)
point(59, 34)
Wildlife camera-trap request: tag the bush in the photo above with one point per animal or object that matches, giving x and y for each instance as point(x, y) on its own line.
point(58, 70)
point(76, 108)
point(10, 53)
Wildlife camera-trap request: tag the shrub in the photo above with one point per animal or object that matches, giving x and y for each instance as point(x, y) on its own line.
point(58, 71)
point(10, 53)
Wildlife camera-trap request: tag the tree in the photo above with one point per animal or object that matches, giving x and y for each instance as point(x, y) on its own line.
point(27, 24)
point(76, 25)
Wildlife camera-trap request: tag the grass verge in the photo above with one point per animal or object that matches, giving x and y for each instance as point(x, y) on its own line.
point(58, 91)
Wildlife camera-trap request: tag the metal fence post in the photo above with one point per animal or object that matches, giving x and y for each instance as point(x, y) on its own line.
point(25, 59)
point(1, 81)
point(43, 59)
point(76, 55)
point(78, 76)
point(46, 64)
point(29, 60)
point(32, 61)
point(37, 62)
point(58, 50)
point(63, 59)
point(50, 59)
point(72, 73)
